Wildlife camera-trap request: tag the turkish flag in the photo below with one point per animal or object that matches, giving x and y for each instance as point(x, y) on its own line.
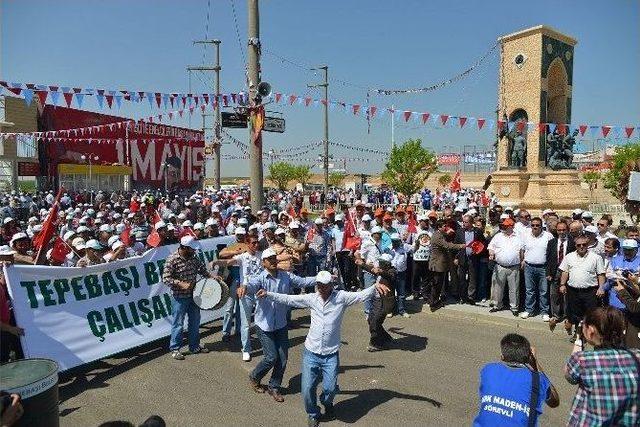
point(153, 239)
point(350, 241)
point(186, 231)
point(455, 184)
point(412, 228)
point(125, 236)
point(49, 226)
point(60, 250)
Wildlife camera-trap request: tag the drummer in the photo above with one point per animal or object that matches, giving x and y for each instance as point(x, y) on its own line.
point(180, 272)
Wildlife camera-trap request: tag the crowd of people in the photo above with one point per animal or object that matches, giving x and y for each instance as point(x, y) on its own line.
point(380, 249)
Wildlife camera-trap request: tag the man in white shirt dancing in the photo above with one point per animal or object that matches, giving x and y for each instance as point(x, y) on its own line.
point(320, 357)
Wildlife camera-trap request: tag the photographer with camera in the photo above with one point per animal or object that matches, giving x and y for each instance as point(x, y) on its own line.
point(607, 377)
point(514, 390)
point(11, 409)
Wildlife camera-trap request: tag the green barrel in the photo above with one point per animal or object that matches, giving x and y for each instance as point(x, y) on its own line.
point(36, 381)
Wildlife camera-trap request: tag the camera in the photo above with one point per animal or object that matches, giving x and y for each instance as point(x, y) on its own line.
point(625, 273)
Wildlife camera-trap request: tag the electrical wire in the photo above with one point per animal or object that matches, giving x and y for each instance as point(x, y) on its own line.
point(235, 22)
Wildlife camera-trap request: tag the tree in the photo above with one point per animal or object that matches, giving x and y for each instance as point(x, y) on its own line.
point(625, 160)
point(280, 173)
point(444, 180)
point(409, 165)
point(302, 174)
point(591, 178)
point(336, 179)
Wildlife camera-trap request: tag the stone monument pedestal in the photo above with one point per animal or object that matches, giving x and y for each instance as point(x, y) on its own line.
point(558, 190)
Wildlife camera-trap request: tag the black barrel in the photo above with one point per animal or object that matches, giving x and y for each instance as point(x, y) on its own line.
point(36, 381)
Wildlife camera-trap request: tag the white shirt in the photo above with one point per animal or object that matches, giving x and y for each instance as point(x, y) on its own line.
point(535, 248)
point(399, 260)
point(250, 265)
point(583, 271)
point(326, 316)
point(506, 249)
point(520, 229)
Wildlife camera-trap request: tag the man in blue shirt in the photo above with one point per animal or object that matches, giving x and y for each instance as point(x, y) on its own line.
point(271, 321)
point(320, 357)
point(627, 261)
point(506, 387)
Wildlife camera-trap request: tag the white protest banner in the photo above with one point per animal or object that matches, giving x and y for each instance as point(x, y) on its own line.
point(78, 315)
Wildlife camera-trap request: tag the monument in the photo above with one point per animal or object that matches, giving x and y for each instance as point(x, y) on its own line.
point(534, 170)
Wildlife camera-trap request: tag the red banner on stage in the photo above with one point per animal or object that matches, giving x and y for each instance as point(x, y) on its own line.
point(448, 159)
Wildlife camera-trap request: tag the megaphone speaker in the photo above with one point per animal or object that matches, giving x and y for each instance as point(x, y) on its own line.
point(264, 89)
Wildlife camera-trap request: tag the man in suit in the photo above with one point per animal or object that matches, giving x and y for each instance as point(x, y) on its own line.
point(440, 262)
point(466, 261)
point(557, 248)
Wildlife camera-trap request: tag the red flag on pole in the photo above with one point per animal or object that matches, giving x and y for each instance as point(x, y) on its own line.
point(60, 250)
point(350, 240)
point(455, 184)
point(49, 226)
point(153, 239)
point(412, 226)
point(125, 236)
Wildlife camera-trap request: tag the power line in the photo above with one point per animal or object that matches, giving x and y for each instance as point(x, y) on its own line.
point(235, 22)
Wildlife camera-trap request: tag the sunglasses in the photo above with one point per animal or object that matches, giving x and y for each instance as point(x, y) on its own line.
point(602, 225)
point(581, 245)
point(536, 226)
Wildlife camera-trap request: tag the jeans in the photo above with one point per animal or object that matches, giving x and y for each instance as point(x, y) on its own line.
point(232, 311)
point(315, 264)
point(401, 284)
point(535, 281)
point(314, 367)
point(182, 306)
point(239, 311)
point(275, 350)
point(369, 280)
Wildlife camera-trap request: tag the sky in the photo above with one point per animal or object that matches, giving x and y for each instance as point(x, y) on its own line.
point(147, 44)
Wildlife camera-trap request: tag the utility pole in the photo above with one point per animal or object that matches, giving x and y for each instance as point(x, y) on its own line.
point(253, 75)
point(325, 159)
point(216, 143)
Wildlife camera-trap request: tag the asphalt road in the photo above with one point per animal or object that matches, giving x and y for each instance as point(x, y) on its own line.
point(428, 378)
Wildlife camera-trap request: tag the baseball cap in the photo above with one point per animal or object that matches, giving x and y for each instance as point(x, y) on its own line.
point(8, 219)
point(385, 258)
point(366, 218)
point(629, 244)
point(93, 244)
point(268, 253)
point(508, 222)
point(187, 223)
point(243, 221)
point(78, 243)
point(160, 224)
point(591, 229)
point(112, 240)
point(190, 242)
point(18, 236)
point(395, 236)
point(6, 250)
point(587, 214)
point(323, 277)
point(318, 221)
point(68, 235)
point(198, 226)
point(376, 230)
point(280, 231)
point(239, 231)
point(294, 225)
point(339, 217)
point(577, 211)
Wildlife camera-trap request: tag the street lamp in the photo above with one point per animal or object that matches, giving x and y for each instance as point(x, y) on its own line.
point(271, 155)
point(90, 159)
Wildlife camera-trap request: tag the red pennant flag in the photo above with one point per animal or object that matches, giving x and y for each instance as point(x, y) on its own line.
point(170, 115)
point(606, 130)
point(356, 109)
point(205, 96)
point(462, 121)
point(42, 95)
point(500, 125)
point(225, 100)
point(60, 250)
point(180, 112)
point(292, 99)
point(455, 184)
point(278, 97)
point(125, 236)
point(372, 111)
point(307, 101)
point(583, 129)
point(562, 129)
point(15, 90)
point(159, 117)
point(203, 107)
point(444, 119)
point(425, 117)
point(191, 109)
point(109, 100)
point(411, 223)
point(481, 123)
point(49, 226)
point(628, 131)
point(520, 125)
point(68, 97)
point(406, 115)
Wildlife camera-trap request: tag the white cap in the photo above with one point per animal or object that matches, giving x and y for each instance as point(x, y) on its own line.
point(239, 231)
point(78, 243)
point(270, 225)
point(395, 236)
point(69, 234)
point(318, 221)
point(458, 209)
point(6, 250)
point(591, 229)
point(18, 236)
point(376, 230)
point(629, 244)
point(182, 216)
point(112, 240)
point(323, 277)
point(198, 226)
point(105, 227)
point(547, 212)
point(187, 223)
point(268, 253)
point(274, 212)
point(243, 221)
point(189, 241)
point(587, 214)
point(504, 216)
point(339, 217)
point(33, 219)
point(170, 227)
point(116, 245)
point(93, 244)
point(577, 211)
point(209, 222)
point(366, 217)
point(422, 217)
point(120, 228)
point(294, 225)
point(160, 224)
point(8, 220)
point(280, 231)
point(385, 258)
point(255, 226)
point(472, 212)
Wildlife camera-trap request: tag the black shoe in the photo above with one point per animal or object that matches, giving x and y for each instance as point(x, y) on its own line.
point(495, 310)
point(514, 312)
point(470, 301)
point(329, 413)
point(436, 306)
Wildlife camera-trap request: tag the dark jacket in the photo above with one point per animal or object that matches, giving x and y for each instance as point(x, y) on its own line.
point(441, 253)
point(477, 235)
point(552, 255)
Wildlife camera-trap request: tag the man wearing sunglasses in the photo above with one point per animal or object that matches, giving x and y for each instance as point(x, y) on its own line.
point(582, 280)
point(604, 233)
point(523, 223)
point(534, 256)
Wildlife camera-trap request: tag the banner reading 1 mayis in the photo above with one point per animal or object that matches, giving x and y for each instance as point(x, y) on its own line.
point(78, 315)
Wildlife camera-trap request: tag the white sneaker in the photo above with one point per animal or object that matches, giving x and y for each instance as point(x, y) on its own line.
point(389, 314)
point(524, 315)
point(246, 357)
point(545, 317)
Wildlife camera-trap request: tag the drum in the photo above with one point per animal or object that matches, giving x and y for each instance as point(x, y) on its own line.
point(36, 381)
point(209, 294)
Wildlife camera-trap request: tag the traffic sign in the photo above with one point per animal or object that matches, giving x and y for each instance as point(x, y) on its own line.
point(274, 124)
